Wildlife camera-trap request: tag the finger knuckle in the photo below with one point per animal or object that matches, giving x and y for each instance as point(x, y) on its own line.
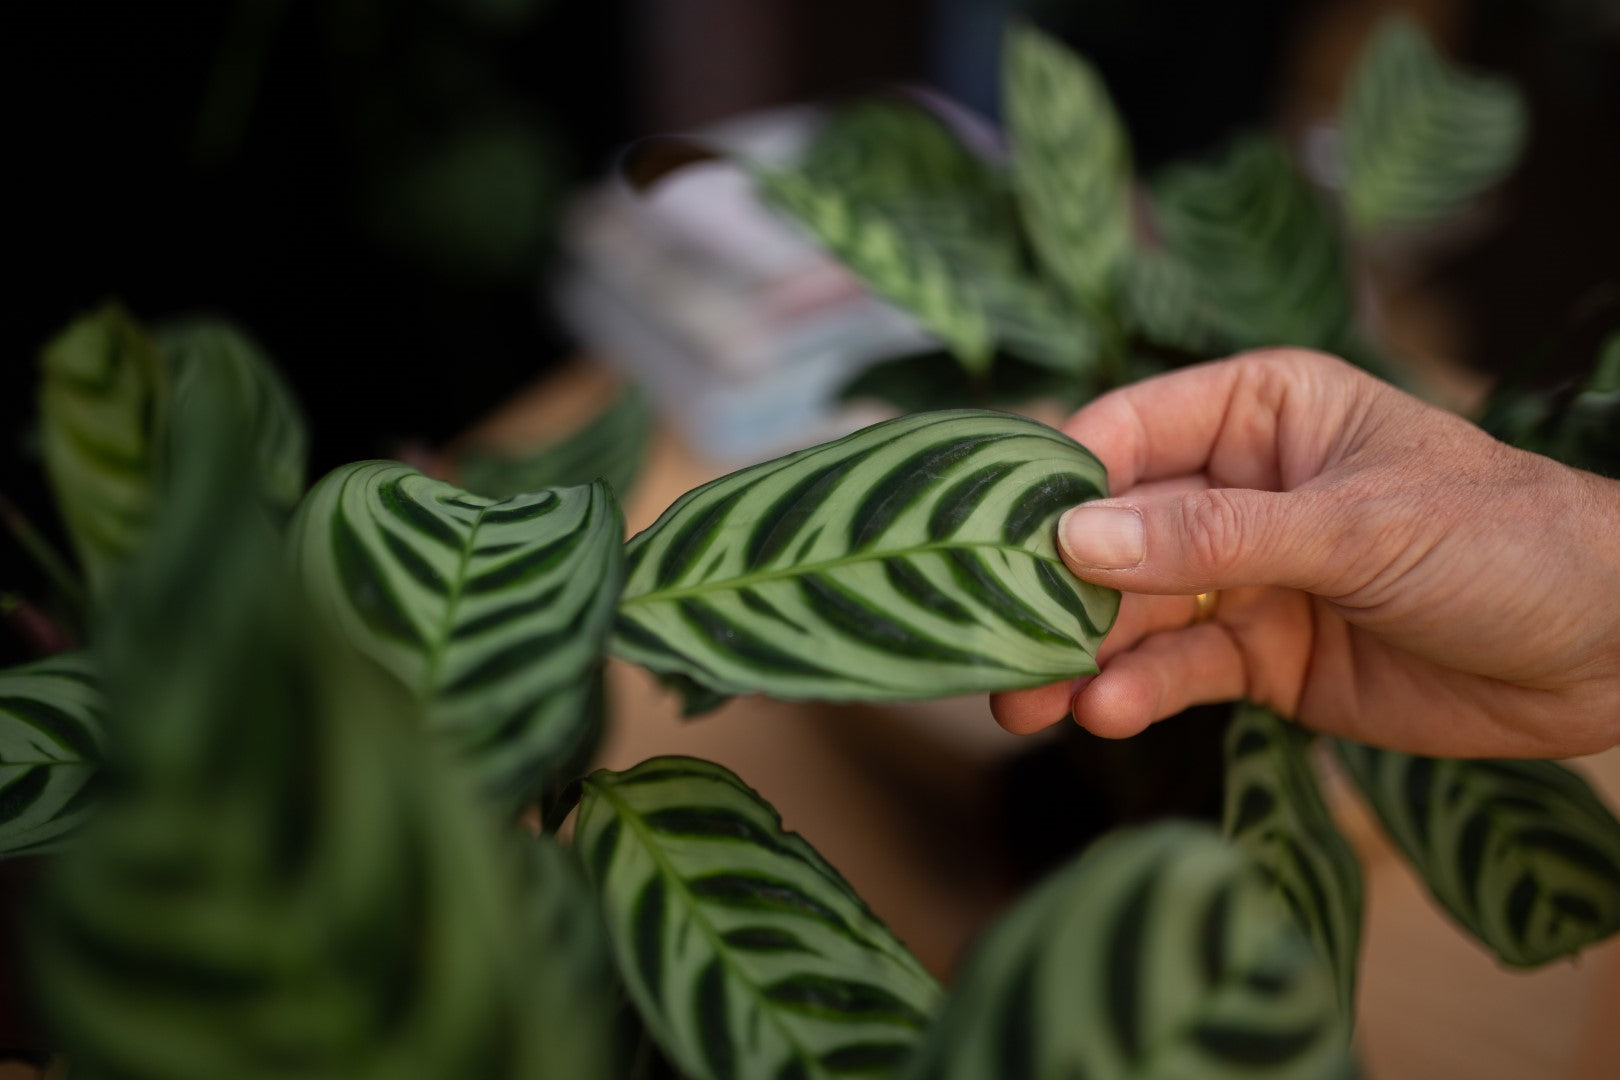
point(1214, 530)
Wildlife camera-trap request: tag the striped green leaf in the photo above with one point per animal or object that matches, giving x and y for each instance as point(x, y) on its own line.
point(1522, 853)
point(1070, 163)
point(746, 953)
point(927, 225)
point(1263, 259)
point(104, 393)
point(913, 559)
point(1421, 136)
point(51, 744)
point(286, 881)
point(609, 448)
point(214, 360)
point(1161, 296)
point(492, 612)
point(1160, 952)
point(1275, 812)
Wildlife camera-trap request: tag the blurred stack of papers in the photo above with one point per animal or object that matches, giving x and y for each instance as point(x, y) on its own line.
point(739, 326)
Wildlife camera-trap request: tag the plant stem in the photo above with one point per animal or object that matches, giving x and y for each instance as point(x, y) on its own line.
point(34, 543)
point(42, 634)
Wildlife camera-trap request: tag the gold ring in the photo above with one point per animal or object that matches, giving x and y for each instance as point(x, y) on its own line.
point(1204, 607)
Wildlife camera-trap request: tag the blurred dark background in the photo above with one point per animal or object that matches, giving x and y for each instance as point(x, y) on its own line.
point(371, 186)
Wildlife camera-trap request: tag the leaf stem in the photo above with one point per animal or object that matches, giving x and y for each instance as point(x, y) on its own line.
point(31, 540)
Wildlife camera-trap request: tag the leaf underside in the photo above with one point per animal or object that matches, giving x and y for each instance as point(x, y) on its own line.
point(746, 953)
point(51, 744)
point(1160, 952)
point(1421, 136)
point(1522, 853)
point(1275, 812)
point(493, 613)
point(914, 559)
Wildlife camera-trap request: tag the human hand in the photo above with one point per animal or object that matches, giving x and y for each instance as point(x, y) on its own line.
point(1387, 571)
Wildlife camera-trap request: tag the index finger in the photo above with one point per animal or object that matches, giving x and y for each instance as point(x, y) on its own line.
point(1267, 420)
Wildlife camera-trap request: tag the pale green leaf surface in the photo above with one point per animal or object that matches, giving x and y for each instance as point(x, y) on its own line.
point(104, 393)
point(492, 612)
point(913, 559)
point(1421, 136)
point(610, 448)
point(1522, 853)
point(1275, 812)
point(214, 360)
point(1070, 163)
point(1160, 953)
point(746, 953)
point(1262, 261)
point(923, 222)
point(51, 744)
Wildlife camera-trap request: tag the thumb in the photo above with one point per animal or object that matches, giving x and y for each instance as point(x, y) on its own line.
point(1197, 541)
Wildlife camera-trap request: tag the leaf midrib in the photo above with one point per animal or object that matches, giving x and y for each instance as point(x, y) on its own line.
point(667, 869)
point(430, 678)
point(743, 581)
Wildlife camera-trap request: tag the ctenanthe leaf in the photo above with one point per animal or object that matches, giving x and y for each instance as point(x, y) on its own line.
point(609, 448)
point(1522, 853)
point(913, 559)
point(1264, 262)
point(930, 226)
point(746, 953)
point(492, 612)
point(104, 394)
point(1421, 136)
point(1160, 952)
point(1070, 163)
point(213, 359)
point(51, 744)
point(1275, 812)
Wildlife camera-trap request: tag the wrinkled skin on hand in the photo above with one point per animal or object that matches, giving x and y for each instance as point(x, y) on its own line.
point(1388, 571)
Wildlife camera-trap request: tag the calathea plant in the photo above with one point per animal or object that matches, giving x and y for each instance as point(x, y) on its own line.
point(312, 741)
point(279, 874)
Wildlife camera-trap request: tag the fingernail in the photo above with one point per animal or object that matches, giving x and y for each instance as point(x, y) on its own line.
point(1102, 537)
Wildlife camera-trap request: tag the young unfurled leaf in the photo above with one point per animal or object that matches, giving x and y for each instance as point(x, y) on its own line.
point(1263, 258)
point(746, 953)
point(926, 224)
point(492, 612)
point(609, 448)
point(1522, 853)
point(1160, 952)
point(1421, 137)
point(103, 400)
point(914, 559)
point(1275, 812)
point(213, 360)
point(1071, 163)
point(51, 744)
